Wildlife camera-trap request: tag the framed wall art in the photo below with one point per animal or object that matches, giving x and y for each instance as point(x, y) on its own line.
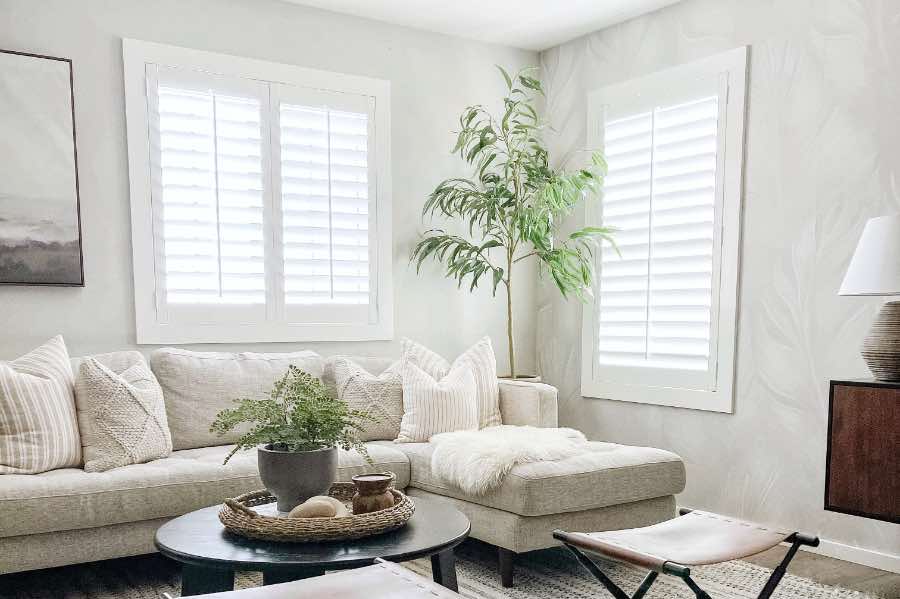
point(40, 222)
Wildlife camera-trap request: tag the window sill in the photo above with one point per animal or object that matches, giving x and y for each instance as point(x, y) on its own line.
point(270, 332)
point(719, 400)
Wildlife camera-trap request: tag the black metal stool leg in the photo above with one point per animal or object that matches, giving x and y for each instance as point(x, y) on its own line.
point(700, 593)
point(645, 585)
point(797, 539)
point(613, 589)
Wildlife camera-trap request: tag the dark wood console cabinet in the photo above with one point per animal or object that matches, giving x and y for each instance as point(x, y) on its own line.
point(862, 467)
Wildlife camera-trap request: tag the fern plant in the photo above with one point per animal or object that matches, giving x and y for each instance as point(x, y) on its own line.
point(514, 202)
point(298, 415)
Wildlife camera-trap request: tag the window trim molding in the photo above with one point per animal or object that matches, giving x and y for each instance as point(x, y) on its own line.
point(732, 69)
point(149, 330)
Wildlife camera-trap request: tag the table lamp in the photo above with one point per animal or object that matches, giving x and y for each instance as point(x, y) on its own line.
point(875, 270)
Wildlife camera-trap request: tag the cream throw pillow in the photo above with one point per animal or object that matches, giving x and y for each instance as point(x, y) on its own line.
point(484, 367)
point(431, 407)
point(381, 396)
point(121, 413)
point(38, 428)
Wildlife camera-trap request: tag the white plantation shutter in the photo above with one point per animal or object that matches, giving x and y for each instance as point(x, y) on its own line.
point(210, 169)
point(656, 299)
point(661, 328)
point(325, 191)
point(260, 199)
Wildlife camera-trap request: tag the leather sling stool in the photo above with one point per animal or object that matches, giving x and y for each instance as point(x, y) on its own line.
point(383, 580)
point(672, 547)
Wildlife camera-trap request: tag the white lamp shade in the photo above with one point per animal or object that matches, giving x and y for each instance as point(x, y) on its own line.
point(875, 267)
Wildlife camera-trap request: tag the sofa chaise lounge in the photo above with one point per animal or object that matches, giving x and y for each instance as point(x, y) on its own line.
point(69, 516)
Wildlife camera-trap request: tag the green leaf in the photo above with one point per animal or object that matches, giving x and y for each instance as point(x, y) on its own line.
point(506, 76)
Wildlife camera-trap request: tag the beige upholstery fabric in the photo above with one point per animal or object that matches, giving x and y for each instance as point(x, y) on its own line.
point(198, 385)
point(432, 406)
point(64, 547)
point(121, 413)
point(524, 403)
point(379, 396)
point(480, 358)
point(187, 480)
point(607, 475)
point(527, 533)
point(38, 426)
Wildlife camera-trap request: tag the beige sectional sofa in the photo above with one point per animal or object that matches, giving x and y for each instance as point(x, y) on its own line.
point(70, 516)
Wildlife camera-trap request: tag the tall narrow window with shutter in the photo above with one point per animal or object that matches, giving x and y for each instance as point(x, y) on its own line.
point(260, 199)
point(661, 328)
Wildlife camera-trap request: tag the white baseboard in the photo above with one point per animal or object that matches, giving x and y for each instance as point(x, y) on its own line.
point(857, 555)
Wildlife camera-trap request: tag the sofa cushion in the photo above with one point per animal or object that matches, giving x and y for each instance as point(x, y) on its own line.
point(198, 385)
point(378, 396)
point(38, 426)
point(121, 414)
point(607, 474)
point(370, 364)
point(187, 480)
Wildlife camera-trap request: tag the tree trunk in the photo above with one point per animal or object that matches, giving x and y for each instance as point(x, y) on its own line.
point(509, 328)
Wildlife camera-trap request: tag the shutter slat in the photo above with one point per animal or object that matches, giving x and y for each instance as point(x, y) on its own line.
point(210, 149)
point(325, 206)
point(655, 298)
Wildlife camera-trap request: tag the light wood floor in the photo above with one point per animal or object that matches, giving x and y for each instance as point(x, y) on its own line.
point(834, 572)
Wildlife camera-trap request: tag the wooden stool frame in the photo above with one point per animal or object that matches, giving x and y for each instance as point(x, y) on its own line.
point(683, 572)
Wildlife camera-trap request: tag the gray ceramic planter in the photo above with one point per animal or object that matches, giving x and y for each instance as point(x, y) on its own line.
point(295, 476)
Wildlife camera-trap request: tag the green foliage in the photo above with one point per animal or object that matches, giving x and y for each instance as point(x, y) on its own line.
point(298, 415)
point(514, 200)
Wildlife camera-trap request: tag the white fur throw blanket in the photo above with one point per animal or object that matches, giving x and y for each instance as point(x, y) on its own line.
point(477, 461)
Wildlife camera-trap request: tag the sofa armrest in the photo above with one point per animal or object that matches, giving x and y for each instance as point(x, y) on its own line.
point(526, 403)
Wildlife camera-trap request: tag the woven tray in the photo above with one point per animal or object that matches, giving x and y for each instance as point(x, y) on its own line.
point(238, 517)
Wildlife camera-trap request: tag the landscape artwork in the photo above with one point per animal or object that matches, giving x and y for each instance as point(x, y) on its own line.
point(40, 227)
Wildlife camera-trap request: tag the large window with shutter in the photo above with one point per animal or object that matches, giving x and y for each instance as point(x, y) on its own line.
point(260, 199)
point(662, 326)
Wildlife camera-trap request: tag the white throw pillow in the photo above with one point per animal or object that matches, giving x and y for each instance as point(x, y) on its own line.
point(38, 426)
point(381, 396)
point(484, 368)
point(431, 407)
point(121, 412)
point(199, 385)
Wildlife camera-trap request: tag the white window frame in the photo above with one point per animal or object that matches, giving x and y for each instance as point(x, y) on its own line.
point(727, 72)
point(152, 324)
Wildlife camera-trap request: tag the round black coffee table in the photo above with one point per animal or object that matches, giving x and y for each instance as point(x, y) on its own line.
point(210, 555)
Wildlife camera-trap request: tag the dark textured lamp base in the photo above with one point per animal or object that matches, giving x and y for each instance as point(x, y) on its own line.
point(881, 348)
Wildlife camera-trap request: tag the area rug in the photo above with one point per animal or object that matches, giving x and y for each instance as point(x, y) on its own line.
point(544, 575)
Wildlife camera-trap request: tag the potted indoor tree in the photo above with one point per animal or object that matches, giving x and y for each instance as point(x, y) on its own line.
point(513, 204)
point(296, 430)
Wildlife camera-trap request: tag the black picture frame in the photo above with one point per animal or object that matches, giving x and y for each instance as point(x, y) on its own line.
point(74, 282)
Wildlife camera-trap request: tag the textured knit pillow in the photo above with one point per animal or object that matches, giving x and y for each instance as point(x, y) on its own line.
point(431, 407)
point(380, 396)
point(484, 367)
point(38, 428)
point(121, 413)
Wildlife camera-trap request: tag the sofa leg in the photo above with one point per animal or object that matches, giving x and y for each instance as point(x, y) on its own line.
point(507, 558)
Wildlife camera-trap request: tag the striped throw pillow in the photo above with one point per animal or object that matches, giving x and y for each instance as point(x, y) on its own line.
point(38, 427)
point(436, 406)
point(484, 367)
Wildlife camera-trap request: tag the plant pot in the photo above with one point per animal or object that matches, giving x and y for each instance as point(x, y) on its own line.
point(295, 476)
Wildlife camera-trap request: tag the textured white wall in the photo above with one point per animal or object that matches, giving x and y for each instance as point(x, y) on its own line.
point(433, 77)
point(823, 155)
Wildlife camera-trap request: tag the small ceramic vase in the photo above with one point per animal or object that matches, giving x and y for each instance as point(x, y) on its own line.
point(373, 492)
